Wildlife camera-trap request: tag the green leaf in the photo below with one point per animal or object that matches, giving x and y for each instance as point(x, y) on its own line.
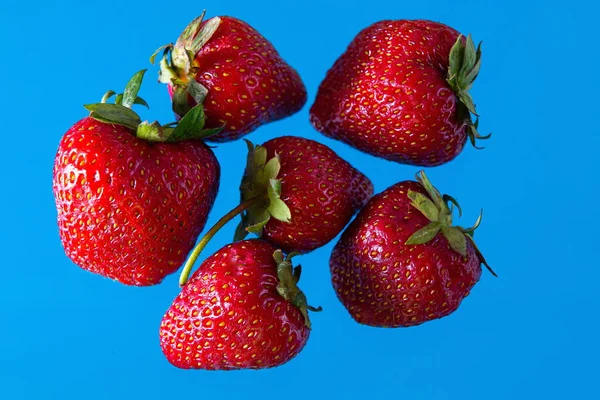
point(166, 47)
point(119, 99)
point(197, 91)
point(469, 59)
point(181, 59)
point(240, 231)
point(259, 157)
point(256, 218)
point(166, 74)
point(424, 205)
point(274, 189)
point(191, 124)
point(472, 74)
point(272, 168)
point(107, 96)
point(435, 195)
point(133, 87)
point(250, 146)
point(205, 34)
point(279, 210)
point(480, 256)
point(424, 234)
point(190, 30)
point(476, 224)
point(139, 101)
point(297, 273)
point(257, 228)
point(455, 59)
point(278, 256)
point(467, 100)
point(456, 238)
point(114, 114)
point(449, 199)
point(180, 105)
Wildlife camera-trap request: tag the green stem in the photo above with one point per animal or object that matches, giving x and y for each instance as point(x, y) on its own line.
point(187, 269)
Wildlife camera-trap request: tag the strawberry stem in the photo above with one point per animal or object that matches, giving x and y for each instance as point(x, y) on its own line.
point(187, 269)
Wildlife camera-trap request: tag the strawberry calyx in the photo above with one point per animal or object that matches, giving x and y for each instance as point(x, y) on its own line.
point(464, 66)
point(260, 192)
point(260, 182)
point(178, 65)
point(120, 113)
point(287, 287)
point(438, 209)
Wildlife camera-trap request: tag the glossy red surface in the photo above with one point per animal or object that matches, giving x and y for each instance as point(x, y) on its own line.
point(387, 95)
point(322, 190)
point(128, 209)
point(383, 282)
point(230, 315)
point(248, 82)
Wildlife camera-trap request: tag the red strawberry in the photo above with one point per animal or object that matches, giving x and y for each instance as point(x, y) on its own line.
point(400, 91)
point(401, 262)
point(241, 309)
point(128, 208)
point(296, 193)
point(235, 72)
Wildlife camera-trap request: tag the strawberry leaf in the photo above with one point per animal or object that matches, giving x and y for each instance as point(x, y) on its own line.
point(205, 34)
point(240, 231)
point(114, 114)
point(190, 125)
point(424, 205)
point(456, 238)
point(133, 87)
point(271, 170)
point(280, 211)
point(424, 234)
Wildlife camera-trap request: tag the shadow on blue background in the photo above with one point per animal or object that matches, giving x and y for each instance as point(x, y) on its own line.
point(532, 333)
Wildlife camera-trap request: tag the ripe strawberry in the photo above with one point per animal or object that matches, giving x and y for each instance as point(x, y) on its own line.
point(296, 193)
point(235, 72)
point(130, 209)
point(400, 92)
point(241, 309)
point(401, 262)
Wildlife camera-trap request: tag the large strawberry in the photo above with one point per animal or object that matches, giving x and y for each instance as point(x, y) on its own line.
point(296, 193)
point(235, 72)
point(241, 309)
point(401, 92)
point(401, 262)
point(131, 196)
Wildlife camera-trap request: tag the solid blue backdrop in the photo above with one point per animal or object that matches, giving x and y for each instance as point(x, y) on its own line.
point(531, 333)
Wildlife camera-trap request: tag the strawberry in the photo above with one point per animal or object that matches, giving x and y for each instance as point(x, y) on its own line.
point(401, 262)
point(296, 193)
point(400, 92)
point(131, 196)
point(234, 71)
point(241, 309)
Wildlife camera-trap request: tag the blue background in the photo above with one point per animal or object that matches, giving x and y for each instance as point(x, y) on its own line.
point(532, 333)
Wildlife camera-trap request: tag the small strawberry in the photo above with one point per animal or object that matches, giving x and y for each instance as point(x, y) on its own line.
point(131, 196)
point(235, 72)
point(401, 262)
point(241, 309)
point(296, 193)
point(401, 92)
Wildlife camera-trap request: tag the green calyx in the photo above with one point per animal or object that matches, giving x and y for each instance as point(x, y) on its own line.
point(287, 287)
point(120, 113)
point(178, 64)
point(261, 184)
point(464, 66)
point(438, 209)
